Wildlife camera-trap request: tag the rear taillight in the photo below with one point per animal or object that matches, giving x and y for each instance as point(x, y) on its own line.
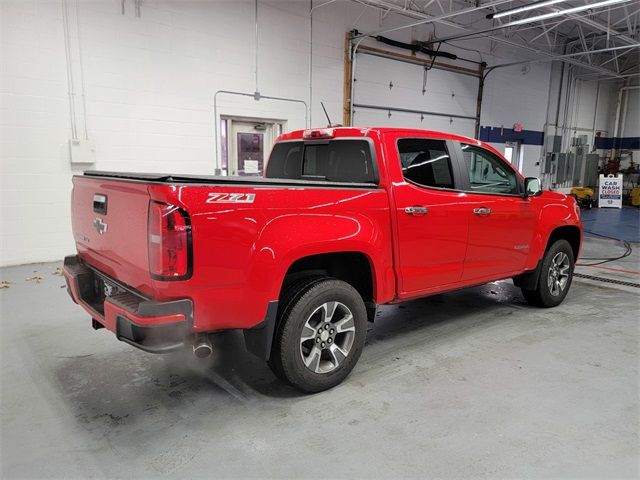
point(169, 242)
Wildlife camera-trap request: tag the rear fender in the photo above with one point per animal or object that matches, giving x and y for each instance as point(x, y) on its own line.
point(288, 238)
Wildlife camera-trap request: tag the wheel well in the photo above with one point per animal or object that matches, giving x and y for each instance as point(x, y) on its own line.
point(568, 233)
point(351, 267)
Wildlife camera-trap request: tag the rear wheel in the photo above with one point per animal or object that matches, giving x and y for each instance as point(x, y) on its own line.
point(320, 335)
point(287, 299)
point(555, 276)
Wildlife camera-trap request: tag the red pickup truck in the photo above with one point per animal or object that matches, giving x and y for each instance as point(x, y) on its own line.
point(344, 220)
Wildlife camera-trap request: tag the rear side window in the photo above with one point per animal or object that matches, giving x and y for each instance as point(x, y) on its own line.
point(333, 161)
point(426, 162)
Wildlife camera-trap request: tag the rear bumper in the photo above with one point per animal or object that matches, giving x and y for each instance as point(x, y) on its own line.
point(152, 326)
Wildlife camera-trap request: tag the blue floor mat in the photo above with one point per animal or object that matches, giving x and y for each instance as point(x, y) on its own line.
point(622, 223)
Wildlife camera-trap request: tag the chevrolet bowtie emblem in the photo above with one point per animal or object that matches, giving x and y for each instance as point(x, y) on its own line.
point(100, 226)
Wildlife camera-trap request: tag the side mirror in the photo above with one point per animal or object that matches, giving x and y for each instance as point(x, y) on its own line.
point(532, 187)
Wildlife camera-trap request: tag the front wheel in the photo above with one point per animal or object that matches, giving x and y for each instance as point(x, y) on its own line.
point(555, 276)
point(320, 336)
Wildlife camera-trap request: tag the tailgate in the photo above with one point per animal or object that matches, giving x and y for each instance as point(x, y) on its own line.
point(109, 220)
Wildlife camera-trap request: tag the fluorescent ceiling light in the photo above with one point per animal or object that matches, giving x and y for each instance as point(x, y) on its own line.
point(524, 8)
point(558, 13)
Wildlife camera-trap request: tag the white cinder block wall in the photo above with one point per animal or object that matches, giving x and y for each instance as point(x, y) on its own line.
point(149, 84)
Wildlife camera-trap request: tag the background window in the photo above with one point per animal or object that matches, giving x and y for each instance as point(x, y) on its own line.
point(426, 162)
point(488, 173)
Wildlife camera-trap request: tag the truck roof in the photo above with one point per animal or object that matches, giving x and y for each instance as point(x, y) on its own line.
point(338, 132)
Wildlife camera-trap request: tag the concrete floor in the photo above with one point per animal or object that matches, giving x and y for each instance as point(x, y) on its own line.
point(466, 385)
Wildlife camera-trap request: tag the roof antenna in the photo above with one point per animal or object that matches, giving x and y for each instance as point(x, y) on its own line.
point(328, 119)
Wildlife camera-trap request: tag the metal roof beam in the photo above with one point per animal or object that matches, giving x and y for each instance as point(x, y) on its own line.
point(602, 27)
point(426, 18)
point(569, 55)
point(533, 19)
point(610, 77)
point(583, 41)
point(546, 30)
point(613, 59)
point(628, 19)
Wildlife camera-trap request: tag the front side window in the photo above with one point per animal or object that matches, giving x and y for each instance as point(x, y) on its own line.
point(426, 162)
point(488, 173)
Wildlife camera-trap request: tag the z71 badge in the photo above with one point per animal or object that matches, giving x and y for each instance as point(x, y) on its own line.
point(231, 197)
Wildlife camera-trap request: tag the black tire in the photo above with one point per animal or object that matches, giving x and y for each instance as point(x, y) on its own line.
point(288, 297)
point(548, 293)
point(309, 304)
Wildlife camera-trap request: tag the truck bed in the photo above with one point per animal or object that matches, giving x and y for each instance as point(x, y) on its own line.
point(168, 178)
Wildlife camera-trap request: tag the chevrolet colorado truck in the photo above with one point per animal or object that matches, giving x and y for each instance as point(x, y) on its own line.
point(344, 220)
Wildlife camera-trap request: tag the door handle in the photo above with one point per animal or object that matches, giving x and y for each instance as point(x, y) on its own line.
point(417, 210)
point(482, 211)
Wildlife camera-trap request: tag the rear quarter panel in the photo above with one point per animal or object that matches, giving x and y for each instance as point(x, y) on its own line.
point(241, 251)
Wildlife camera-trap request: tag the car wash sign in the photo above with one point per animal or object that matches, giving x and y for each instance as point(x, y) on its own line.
point(610, 191)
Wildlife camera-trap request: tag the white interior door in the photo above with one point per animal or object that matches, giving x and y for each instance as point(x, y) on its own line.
point(513, 152)
point(249, 146)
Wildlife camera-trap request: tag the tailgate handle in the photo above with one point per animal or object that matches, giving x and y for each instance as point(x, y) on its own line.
point(100, 203)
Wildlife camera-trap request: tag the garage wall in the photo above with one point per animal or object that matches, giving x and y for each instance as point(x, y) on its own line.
point(519, 94)
point(149, 97)
point(149, 85)
point(632, 123)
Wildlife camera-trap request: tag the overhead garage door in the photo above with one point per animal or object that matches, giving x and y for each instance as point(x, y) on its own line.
point(385, 89)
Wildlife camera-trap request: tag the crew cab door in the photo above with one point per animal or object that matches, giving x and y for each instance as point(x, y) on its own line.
point(431, 221)
point(501, 221)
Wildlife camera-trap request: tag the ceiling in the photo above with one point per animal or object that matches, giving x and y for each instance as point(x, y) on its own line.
point(601, 38)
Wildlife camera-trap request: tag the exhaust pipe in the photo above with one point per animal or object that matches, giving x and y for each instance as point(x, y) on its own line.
point(202, 346)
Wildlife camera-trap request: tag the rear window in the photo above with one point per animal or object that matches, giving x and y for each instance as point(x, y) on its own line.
point(333, 161)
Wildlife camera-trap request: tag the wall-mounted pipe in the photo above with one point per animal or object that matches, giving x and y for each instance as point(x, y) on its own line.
point(256, 96)
point(545, 126)
point(70, 83)
point(595, 118)
point(67, 25)
point(256, 30)
point(479, 95)
point(559, 95)
point(81, 62)
point(568, 97)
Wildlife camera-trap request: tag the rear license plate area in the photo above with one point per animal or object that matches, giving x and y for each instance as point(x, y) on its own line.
point(102, 289)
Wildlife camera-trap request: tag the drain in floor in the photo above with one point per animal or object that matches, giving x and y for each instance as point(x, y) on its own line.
point(607, 280)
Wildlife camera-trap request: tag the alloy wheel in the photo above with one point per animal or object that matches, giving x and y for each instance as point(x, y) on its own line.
point(558, 275)
point(327, 337)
